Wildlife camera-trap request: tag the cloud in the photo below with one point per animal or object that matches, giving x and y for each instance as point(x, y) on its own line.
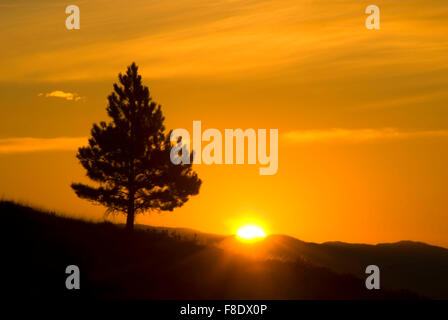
point(327, 38)
point(28, 144)
point(61, 94)
point(336, 135)
point(358, 135)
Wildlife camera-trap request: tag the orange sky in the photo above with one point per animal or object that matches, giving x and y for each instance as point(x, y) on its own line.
point(362, 115)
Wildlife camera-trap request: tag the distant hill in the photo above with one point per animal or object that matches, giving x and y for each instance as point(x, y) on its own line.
point(411, 265)
point(154, 264)
point(416, 266)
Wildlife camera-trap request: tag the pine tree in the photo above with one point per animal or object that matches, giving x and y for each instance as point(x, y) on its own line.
point(129, 157)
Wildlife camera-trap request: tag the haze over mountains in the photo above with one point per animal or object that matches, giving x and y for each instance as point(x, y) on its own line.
point(167, 263)
point(417, 266)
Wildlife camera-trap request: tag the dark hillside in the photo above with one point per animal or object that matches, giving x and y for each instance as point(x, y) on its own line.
point(411, 265)
point(151, 265)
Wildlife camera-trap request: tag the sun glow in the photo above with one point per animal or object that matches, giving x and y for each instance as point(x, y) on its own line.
point(250, 233)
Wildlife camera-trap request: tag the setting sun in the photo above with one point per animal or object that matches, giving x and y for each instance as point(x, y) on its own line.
point(251, 233)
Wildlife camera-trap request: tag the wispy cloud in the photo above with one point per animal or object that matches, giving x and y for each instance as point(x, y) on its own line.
point(357, 135)
point(61, 94)
point(225, 37)
point(338, 135)
point(26, 145)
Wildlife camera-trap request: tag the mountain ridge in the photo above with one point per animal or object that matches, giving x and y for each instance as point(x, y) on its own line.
point(160, 265)
point(414, 265)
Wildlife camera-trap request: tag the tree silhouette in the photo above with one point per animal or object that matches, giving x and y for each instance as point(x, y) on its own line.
point(130, 156)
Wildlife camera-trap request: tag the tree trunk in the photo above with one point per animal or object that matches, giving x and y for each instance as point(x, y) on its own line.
point(130, 221)
point(130, 217)
point(131, 178)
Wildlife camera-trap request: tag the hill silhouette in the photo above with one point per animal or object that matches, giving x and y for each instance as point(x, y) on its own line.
point(411, 265)
point(154, 264)
point(416, 266)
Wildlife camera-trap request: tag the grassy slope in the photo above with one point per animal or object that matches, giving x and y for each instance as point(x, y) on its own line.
point(151, 265)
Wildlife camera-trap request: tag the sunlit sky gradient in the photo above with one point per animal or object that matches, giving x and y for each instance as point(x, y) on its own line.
point(362, 114)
